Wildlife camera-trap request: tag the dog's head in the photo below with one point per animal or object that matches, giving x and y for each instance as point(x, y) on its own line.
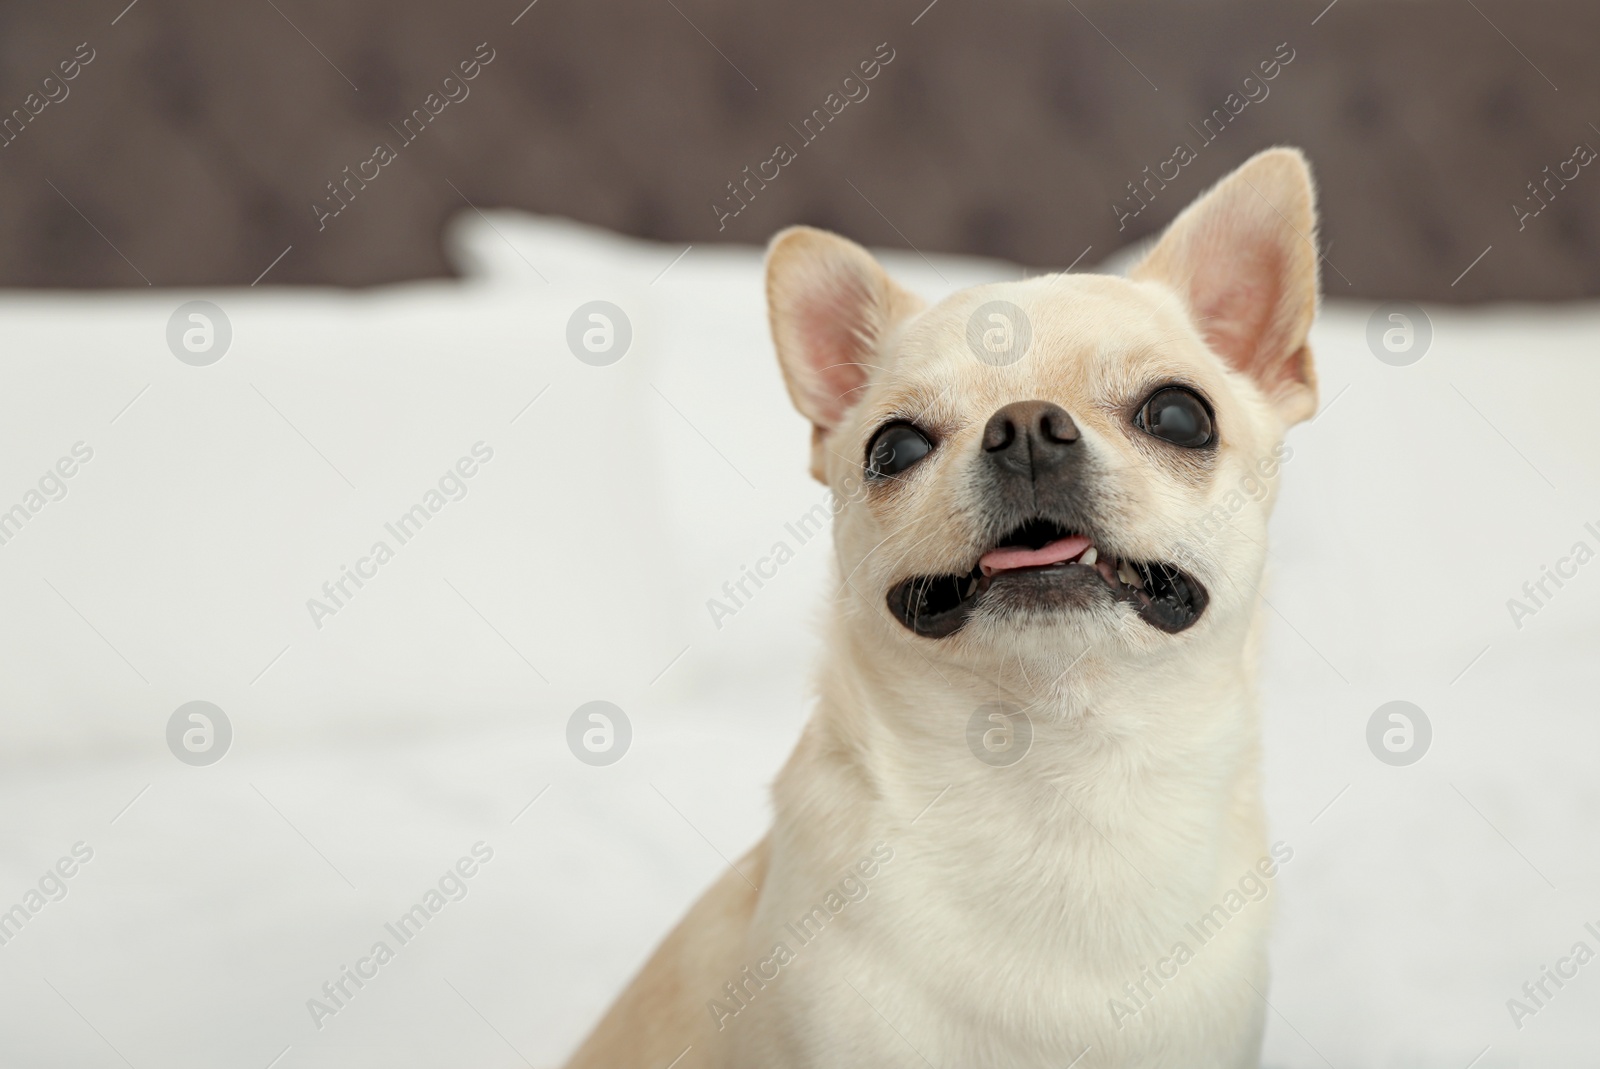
point(1068, 460)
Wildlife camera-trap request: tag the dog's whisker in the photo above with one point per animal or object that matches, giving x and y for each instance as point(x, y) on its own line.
point(875, 548)
point(895, 567)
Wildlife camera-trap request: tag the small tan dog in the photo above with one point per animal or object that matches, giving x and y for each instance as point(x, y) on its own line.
point(1023, 828)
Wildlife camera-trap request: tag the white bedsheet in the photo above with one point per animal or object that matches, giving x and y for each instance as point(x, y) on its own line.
point(422, 717)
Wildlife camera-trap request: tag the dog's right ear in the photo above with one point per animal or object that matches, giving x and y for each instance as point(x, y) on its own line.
point(831, 306)
point(1244, 258)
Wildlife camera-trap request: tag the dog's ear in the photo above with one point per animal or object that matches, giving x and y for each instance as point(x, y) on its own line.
point(1244, 257)
point(831, 306)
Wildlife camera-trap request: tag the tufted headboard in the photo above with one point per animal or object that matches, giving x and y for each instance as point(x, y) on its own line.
point(201, 144)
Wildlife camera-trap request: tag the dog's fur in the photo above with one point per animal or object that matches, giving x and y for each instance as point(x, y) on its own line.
point(1010, 910)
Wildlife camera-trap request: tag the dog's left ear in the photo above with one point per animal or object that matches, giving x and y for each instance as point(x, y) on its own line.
point(1244, 257)
point(831, 306)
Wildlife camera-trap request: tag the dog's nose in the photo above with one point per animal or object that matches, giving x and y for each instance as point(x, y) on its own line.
point(1030, 438)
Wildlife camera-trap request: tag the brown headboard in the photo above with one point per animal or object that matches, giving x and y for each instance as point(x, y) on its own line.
point(192, 147)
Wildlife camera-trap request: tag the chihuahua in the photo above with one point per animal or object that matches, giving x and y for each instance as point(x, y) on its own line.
point(1023, 827)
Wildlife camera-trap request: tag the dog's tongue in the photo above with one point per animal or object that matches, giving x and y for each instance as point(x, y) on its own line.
point(1006, 558)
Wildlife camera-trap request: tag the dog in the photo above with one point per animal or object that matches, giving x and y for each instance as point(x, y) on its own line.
point(1024, 826)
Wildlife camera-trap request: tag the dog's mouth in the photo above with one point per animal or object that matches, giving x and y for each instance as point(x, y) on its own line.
point(1042, 565)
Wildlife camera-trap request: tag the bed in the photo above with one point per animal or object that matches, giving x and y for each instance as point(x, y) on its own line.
point(421, 717)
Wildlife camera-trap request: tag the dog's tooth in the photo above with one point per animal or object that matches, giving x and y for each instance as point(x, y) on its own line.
point(1090, 555)
point(1127, 574)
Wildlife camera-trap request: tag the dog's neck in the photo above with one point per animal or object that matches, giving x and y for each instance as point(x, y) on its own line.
point(1099, 716)
point(1149, 764)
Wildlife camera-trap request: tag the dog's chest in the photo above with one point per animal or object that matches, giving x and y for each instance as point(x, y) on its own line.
point(1002, 948)
point(1105, 955)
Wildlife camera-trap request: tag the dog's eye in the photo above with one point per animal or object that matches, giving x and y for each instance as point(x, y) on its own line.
point(1176, 415)
point(894, 449)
